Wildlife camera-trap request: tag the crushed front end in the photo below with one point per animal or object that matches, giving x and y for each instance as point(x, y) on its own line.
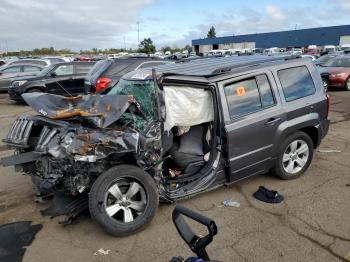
point(77, 139)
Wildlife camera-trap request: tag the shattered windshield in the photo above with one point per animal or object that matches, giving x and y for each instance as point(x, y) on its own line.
point(143, 92)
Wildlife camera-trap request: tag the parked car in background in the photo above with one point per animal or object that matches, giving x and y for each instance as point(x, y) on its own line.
point(83, 58)
point(11, 72)
point(106, 73)
point(113, 56)
point(33, 61)
point(61, 79)
point(55, 59)
point(311, 57)
point(325, 58)
point(312, 50)
point(336, 72)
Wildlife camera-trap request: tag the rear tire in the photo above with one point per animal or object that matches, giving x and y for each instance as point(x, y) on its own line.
point(294, 157)
point(325, 83)
point(347, 85)
point(123, 200)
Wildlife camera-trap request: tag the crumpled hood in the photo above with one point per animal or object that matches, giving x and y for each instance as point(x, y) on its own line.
point(98, 110)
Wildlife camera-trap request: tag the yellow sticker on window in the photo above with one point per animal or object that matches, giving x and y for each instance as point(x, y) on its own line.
point(240, 91)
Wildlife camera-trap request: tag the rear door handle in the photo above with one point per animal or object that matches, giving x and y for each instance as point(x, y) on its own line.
point(272, 121)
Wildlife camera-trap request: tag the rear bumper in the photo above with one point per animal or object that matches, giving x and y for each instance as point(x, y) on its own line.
point(322, 130)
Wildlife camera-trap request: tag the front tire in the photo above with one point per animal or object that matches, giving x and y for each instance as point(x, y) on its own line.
point(123, 200)
point(294, 156)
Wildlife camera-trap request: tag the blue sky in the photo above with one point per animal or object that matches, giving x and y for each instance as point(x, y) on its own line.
point(79, 24)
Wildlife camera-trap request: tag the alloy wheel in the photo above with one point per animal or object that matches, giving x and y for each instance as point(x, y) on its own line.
point(125, 200)
point(295, 156)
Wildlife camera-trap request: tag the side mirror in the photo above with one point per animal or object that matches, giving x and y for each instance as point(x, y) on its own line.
point(196, 243)
point(53, 74)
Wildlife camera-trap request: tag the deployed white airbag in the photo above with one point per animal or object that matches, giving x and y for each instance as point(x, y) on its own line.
point(187, 106)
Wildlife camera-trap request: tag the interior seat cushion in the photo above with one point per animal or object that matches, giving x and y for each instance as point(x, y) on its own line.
point(183, 159)
point(192, 141)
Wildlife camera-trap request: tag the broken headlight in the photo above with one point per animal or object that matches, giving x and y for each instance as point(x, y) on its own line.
point(67, 140)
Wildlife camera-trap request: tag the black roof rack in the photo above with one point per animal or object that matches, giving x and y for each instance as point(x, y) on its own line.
point(218, 65)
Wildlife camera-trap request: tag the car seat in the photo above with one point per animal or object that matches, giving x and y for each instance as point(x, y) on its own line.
point(189, 149)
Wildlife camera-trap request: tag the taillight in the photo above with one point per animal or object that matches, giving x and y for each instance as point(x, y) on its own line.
point(102, 83)
point(328, 104)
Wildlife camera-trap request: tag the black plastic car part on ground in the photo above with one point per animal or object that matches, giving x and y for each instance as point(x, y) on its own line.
point(106, 73)
point(62, 79)
point(14, 238)
point(177, 130)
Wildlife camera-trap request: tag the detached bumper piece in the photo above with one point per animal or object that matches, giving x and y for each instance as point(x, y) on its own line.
point(71, 207)
point(20, 159)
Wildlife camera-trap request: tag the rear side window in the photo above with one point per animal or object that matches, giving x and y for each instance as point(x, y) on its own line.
point(14, 69)
point(83, 69)
point(64, 70)
point(31, 69)
point(296, 83)
point(248, 96)
point(118, 69)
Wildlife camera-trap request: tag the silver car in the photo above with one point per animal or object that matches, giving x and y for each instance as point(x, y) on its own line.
point(9, 73)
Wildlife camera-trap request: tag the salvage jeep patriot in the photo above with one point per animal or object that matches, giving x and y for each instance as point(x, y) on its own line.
point(173, 132)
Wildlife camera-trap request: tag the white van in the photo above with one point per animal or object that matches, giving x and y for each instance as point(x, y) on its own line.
point(345, 47)
point(112, 56)
point(329, 48)
point(219, 52)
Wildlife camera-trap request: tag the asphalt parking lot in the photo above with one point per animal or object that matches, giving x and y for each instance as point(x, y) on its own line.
point(312, 224)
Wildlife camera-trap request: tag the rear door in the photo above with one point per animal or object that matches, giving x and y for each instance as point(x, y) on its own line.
point(80, 71)
point(62, 81)
point(252, 113)
point(8, 75)
point(29, 70)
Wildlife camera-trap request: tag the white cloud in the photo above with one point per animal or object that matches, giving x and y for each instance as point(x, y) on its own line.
point(344, 5)
point(68, 23)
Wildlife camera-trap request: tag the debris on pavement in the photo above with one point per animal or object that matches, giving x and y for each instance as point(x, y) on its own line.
point(14, 238)
point(268, 196)
point(231, 203)
point(101, 251)
point(328, 151)
point(347, 256)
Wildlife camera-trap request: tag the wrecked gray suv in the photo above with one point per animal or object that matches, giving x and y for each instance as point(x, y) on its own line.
point(173, 132)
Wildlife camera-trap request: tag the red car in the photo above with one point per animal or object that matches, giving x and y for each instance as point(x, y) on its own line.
point(84, 58)
point(338, 72)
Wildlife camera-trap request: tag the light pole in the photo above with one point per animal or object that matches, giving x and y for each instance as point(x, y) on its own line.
point(138, 33)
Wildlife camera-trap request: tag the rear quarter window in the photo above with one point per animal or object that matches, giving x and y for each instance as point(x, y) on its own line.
point(296, 83)
point(83, 69)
